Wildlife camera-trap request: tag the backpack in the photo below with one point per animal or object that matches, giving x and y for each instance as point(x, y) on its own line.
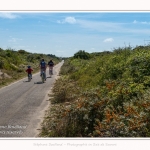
point(43, 64)
point(50, 63)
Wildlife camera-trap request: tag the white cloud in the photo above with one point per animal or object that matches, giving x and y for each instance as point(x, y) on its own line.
point(108, 40)
point(7, 15)
point(101, 26)
point(135, 21)
point(70, 20)
point(14, 40)
point(58, 21)
point(112, 27)
point(142, 22)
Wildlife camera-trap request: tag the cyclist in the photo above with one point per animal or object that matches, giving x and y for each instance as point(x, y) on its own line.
point(29, 71)
point(43, 66)
point(51, 65)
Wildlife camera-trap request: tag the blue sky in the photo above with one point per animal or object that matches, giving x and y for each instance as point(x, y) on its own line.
point(65, 33)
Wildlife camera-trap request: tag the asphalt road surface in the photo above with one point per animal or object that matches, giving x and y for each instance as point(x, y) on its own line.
point(23, 105)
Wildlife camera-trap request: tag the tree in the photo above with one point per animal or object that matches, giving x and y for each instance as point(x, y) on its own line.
point(82, 55)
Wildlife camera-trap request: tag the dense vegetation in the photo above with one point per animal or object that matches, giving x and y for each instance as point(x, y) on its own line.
point(14, 63)
point(104, 95)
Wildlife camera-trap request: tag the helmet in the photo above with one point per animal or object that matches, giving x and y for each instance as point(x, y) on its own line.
point(29, 67)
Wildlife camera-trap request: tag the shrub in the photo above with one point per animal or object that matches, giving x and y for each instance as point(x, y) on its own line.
point(104, 96)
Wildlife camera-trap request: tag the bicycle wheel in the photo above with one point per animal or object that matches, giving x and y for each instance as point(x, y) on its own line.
point(42, 76)
point(29, 77)
point(50, 73)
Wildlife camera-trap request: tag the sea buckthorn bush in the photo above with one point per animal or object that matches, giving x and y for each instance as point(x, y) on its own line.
point(107, 95)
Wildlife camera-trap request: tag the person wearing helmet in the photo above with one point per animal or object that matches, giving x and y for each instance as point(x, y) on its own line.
point(29, 71)
point(43, 66)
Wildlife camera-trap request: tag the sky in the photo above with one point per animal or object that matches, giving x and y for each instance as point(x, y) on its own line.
point(65, 33)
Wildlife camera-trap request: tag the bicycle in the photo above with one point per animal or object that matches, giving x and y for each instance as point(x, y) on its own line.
point(43, 76)
point(29, 77)
point(50, 72)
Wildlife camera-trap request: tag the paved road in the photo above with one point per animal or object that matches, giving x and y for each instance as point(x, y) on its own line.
point(23, 104)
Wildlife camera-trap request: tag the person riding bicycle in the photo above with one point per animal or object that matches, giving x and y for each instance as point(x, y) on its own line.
point(43, 66)
point(29, 71)
point(51, 65)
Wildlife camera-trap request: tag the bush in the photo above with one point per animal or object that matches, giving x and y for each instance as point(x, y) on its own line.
point(1, 64)
point(105, 96)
